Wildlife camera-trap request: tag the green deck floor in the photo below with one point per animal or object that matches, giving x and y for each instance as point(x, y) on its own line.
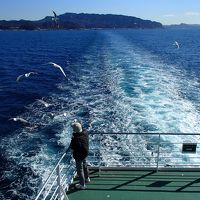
point(139, 185)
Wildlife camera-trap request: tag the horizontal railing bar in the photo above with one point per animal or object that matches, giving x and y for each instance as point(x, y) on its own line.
point(54, 192)
point(184, 164)
point(56, 197)
point(175, 157)
point(63, 176)
point(55, 179)
point(144, 168)
point(151, 165)
point(62, 168)
point(133, 156)
point(64, 184)
point(162, 152)
point(109, 133)
point(179, 156)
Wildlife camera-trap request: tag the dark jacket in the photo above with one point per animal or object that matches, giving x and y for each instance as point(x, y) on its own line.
point(80, 145)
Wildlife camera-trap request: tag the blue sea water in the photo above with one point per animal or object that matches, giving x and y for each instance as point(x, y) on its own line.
point(117, 81)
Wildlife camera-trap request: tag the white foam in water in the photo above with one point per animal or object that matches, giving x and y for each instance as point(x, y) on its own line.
point(163, 108)
point(162, 105)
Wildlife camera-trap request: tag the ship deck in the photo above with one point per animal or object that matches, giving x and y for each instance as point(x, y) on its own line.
point(139, 185)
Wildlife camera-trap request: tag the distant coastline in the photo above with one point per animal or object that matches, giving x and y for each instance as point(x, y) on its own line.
point(182, 25)
point(80, 21)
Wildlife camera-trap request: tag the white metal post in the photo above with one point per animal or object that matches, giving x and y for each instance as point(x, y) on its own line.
point(58, 182)
point(100, 154)
point(158, 152)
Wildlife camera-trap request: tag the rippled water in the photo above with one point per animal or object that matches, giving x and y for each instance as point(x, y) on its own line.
point(117, 81)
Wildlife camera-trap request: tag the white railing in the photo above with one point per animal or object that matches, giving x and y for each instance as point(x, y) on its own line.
point(125, 150)
point(57, 183)
point(145, 150)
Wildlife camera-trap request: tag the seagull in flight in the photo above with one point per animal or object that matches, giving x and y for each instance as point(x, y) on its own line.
point(55, 15)
point(55, 19)
point(58, 66)
point(24, 123)
point(25, 75)
point(44, 103)
point(177, 44)
point(18, 119)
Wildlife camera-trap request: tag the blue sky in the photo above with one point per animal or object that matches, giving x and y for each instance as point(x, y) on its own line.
point(164, 11)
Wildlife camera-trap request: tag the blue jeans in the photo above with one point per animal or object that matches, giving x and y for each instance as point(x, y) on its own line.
point(82, 170)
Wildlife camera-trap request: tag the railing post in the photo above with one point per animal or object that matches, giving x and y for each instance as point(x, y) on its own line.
point(100, 154)
point(60, 188)
point(158, 153)
point(58, 182)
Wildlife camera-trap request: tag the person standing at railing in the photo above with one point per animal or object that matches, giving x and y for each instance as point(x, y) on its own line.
point(80, 148)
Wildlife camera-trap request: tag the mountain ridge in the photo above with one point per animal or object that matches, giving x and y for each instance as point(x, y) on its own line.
point(80, 21)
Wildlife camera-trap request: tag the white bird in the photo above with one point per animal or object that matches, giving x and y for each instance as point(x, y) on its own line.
point(24, 123)
point(177, 44)
point(55, 19)
point(55, 15)
point(59, 67)
point(44, 103)
point(25, 75)
point(18, 119)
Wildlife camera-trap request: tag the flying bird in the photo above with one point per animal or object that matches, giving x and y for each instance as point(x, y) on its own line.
point(177, 44)
point(59, 67)
point(24, 123)
point(25, 75)
point(55, 15)
point(44, 103)
point(18, 119)
point(55, 18)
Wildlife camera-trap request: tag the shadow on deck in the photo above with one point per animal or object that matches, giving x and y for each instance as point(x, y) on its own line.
point(139, 185)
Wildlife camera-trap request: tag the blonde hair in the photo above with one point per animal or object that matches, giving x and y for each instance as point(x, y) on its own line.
point(77, 127)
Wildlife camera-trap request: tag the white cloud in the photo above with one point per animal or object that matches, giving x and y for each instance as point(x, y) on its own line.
point(192, 13)
point(169, 15)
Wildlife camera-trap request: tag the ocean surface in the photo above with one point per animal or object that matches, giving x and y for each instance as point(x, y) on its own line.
point(117, 81)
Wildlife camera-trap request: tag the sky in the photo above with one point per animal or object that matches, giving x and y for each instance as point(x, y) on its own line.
point(164, 11)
